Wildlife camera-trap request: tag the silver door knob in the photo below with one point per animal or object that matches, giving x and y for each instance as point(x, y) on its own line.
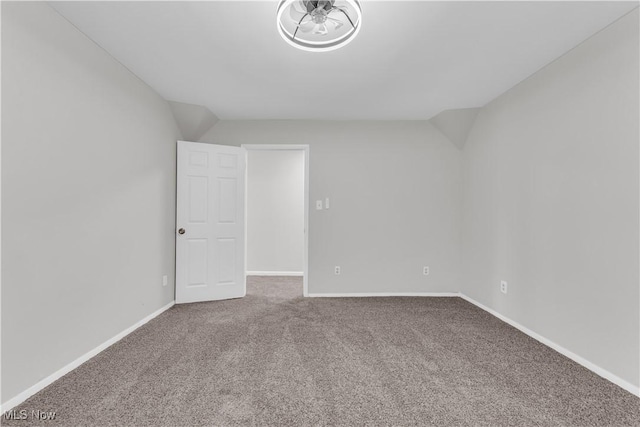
point(181, 231)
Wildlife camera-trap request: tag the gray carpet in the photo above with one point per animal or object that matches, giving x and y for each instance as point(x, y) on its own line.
point(275, 358)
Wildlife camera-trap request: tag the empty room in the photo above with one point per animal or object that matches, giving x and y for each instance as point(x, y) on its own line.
point(320, 212)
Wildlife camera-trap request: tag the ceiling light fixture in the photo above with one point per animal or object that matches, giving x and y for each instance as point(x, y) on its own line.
point(320, 25)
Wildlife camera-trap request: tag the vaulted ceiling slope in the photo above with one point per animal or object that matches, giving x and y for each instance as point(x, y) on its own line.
point(192, 120)
point(411, 60)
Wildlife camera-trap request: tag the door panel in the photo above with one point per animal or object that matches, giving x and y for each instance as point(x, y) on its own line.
point(210, 209)
point(198, 199)
point(197, 255)
point(228, 197)
point(227, 261)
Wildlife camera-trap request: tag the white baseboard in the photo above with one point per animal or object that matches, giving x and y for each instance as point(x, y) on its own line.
point(578, 359)
point(385, 294)
point(79, 361)
point(275, 273)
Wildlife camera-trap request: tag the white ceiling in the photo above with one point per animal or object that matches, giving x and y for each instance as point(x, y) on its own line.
point(411, 60)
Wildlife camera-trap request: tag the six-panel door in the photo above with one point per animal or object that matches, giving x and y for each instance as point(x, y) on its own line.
point(210, 213)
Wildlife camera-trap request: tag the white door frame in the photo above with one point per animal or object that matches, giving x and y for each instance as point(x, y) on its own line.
point(305, 149)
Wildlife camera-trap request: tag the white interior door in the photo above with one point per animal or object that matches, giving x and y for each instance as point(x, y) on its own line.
point(210, 222)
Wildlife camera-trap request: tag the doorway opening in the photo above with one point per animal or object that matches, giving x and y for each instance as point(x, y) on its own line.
point(277, 211)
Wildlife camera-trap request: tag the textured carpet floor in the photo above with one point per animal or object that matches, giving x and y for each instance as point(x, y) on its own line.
point(275, 358)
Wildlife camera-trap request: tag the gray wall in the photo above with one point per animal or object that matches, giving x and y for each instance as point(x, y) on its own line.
point(551, 202)
point(550, 183)
point(88, 196)
point(395, 192)
point(275, 210)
